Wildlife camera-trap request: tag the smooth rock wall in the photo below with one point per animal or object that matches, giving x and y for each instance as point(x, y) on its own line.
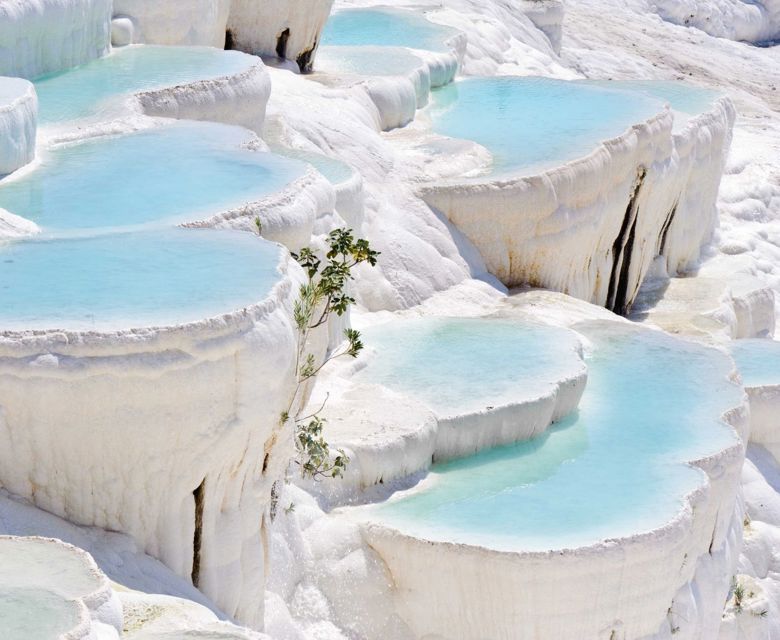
point(176, 22)
point(44, 36)
point(18, 124)
point(170, 435)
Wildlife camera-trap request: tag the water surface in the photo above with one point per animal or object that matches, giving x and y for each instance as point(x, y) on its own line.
point(615, 468)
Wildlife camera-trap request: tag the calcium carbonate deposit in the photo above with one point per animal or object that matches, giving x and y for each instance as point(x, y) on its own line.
point(389, 320)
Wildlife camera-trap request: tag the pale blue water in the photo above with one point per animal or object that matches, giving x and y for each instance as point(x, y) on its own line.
point(461, 365)
point(36, 614)
point(529, 122)
point(682, 97)
point(385, 27)
point(367, 61)
point(758, 361)
point(99, 87)
point(120, 280)
point(182, 171)
point(335, 171)
point(614, 469)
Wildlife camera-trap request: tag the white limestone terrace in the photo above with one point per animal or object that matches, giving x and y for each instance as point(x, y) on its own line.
point(45, 36)
point(195, 83)
point(758, 361)
point(110, 301)
point(398, 55)
point(18, 123)
point(652, 541)
point(402, 406)
point(194, 173)
point(162, 345)
point(647, 189)
point(49, 589)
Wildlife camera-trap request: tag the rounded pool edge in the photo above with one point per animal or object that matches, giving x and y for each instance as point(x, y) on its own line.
point(660, 564)
point(27, 343)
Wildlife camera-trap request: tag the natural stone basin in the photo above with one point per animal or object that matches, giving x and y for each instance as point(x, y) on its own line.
point(386, 27)
point(183, 171)
point(628, 493)
point(101, 87)
point(536, 123)
point(515, 378)
point(651, 405)
point(121, 280)
point(589, 183)
point(51, 590)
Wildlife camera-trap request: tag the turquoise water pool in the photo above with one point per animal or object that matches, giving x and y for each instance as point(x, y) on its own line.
point(758, 361)
point(335, 171)
point(99, 87)
point(118, 280)
point(462, 365)
point(613, 469)
point(385, 27)
point(367, 61)
point(530, 122)
point(179, 172)
point(682, 97)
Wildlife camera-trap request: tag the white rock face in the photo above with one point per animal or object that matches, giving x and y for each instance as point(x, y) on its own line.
point(49, 586)
point(289, 29)
point(533, 229)
point(18, 123)
point(170, 435)
point(43, 36)
point(639, 578)
point(176, 22)
point(746, 20)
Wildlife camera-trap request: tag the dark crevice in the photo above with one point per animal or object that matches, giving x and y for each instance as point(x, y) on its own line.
point(266, 460)
point(622, 249)
point(197, 540)
point(714, 532)
point(229, 44)
point(281, 43)
point(621, 298)
point(665, 229)
point(305, 59)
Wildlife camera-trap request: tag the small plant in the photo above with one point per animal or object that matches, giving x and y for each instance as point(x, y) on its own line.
point(324, 293)
point(738, 590)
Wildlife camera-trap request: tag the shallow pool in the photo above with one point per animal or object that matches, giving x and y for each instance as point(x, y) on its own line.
point(385, 27)
point(335, 171)
point(183, 171)
point(463, 365)
point(614, 469)
point(758, 361)
point(101, 86)
point(120, 280)
point(36, 614)
point(367, 61)
point(530, 122)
